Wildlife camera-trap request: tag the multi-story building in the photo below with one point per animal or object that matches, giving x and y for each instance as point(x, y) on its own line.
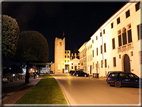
point(116, 45)
point(64, 61)
point(82, 52)
point(67, 60)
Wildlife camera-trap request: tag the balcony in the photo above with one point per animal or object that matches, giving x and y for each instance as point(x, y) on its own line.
point(126, 47)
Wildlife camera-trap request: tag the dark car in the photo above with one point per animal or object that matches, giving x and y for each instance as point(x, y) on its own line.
point(71, 71)
point(81, 73)
point(122, 79)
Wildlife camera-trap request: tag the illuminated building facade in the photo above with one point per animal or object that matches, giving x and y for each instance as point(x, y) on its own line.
point(82, 54)
point(59, 52)
point(116, 45)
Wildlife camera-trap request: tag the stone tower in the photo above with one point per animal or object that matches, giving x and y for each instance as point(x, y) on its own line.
point(59, 56)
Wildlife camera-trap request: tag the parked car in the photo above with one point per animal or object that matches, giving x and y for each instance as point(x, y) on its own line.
point(81, 73)
point(71, 71)
point(51, 72)
point(122, 79)
point(4, 80)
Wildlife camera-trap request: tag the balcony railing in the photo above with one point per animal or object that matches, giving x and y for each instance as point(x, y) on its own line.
point(126, 47)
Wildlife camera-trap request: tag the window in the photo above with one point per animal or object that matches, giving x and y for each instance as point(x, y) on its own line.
point(101, 49)
point(113, 75)
point(65, 60)
point(104, 47)
point(118, 20)
point(65, 56)
point(92, 41)
point(100, 34)
point(129, 36)
point(105, 63)
point(119, 40)
point(78, 63)
point(124, 36)
point(119, 56)
point(127, 13)
point(113, 43)
point(71, 67)
point(114, 61)
point(93, 53)
point(139, 30)
point(104, 31)
point(68, 56)
point(131, 53)
point(60, 43)
point(137, 6)
point(96, 37)
point(140, 57)
point(93, 65)
point(71, 63)
point(101, 63)
point(111, 25)
point(97, 51)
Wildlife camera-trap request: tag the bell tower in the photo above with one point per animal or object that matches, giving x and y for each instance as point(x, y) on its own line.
point(59, 56)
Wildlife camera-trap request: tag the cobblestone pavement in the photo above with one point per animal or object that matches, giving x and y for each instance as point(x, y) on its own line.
point(11, 92)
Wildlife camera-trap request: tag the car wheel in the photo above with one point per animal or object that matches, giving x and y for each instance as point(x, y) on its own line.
point(118, 84)
point(77, 75)
point(85, 75)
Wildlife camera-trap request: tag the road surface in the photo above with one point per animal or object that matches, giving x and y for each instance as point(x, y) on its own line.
point(88, 90)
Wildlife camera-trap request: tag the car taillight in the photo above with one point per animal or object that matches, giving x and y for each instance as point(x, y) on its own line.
point(108, 79)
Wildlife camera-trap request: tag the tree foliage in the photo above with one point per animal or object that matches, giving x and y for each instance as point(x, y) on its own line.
point(32, 47)
point(10, 35)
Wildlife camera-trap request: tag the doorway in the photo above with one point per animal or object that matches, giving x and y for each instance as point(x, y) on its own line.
point(66, 68)
point(90, 69)
point(126, 62)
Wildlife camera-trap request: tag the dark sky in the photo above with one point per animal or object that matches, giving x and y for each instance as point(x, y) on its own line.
point(79, 20)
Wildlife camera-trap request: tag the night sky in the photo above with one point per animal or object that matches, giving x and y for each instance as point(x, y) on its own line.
point(79, 20)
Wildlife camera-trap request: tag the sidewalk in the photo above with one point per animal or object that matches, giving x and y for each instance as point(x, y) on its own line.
point(11, 92)
point(99, 78)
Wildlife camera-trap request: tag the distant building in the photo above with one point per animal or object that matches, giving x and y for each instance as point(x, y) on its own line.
point(74, 62)
point(64, 61)
point(116, 45)
point(46, 69)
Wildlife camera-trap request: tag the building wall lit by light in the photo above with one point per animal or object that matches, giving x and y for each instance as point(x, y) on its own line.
point(116, 45)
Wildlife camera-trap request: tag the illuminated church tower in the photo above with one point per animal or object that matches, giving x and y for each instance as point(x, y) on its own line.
point(59, 56)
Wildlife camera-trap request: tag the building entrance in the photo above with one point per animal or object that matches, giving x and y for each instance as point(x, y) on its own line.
point(66, 68)
point(126, 62)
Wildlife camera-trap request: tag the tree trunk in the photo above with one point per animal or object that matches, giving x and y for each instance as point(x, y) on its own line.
point(27, 73)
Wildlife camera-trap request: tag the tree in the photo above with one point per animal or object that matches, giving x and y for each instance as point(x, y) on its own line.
point(10, 36)
point(32, 47)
